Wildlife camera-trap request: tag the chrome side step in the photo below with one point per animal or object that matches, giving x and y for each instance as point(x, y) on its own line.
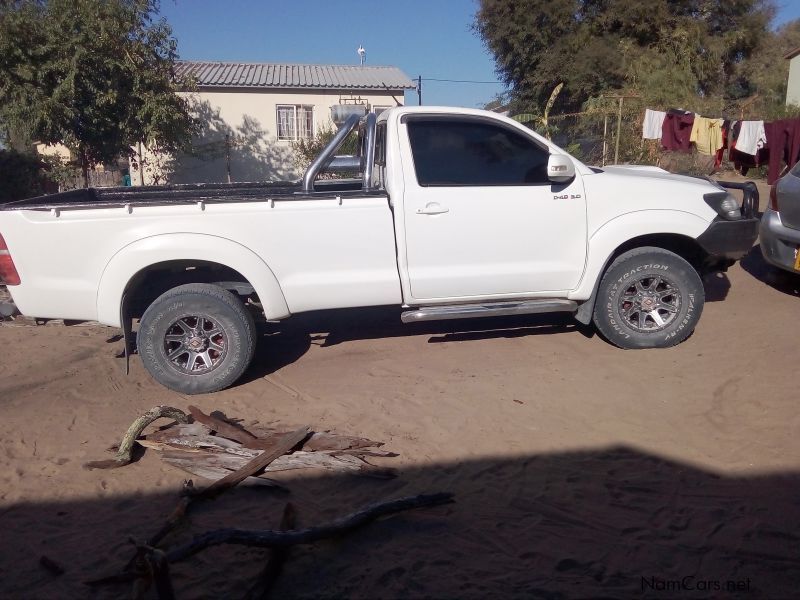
point(495, 309)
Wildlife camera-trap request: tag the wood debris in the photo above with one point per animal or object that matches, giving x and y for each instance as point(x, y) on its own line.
point(229, 454)
point(212, 447)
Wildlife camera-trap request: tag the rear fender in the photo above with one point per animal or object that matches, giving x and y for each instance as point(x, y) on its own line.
point(144, 253)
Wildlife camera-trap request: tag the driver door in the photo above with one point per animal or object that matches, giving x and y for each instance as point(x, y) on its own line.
point(481, 217)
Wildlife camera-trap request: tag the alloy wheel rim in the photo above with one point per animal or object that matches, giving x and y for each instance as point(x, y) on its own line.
point(195, 344)
point(649, 304)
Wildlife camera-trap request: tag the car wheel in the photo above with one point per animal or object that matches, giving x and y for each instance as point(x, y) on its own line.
point(196, 338)
point(648, 298)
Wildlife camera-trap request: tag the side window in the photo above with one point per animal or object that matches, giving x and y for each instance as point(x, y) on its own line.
point(454, 152)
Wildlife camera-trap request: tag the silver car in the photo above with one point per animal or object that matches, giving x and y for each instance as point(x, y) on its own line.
point(780, 224)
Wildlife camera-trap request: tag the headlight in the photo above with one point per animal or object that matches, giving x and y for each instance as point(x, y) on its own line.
point(726, 205)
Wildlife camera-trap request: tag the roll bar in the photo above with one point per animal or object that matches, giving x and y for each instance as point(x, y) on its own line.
point(327, 158)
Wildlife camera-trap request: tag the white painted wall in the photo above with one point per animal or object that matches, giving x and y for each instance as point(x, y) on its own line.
point(250, 117)
point(793, 85)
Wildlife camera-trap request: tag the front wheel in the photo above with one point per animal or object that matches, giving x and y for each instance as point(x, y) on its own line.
point(648, 298)
point(196, 338)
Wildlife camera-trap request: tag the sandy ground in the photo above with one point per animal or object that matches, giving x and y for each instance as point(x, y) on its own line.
point(579, 470)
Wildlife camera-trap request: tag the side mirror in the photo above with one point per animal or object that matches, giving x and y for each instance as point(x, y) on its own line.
point(560, 169)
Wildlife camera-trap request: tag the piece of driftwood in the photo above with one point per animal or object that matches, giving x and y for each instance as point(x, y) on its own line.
point(278, 539)
point(277, 557)
point(210, 464)
point(201, 449)
point(256, 464)
point(125, 453)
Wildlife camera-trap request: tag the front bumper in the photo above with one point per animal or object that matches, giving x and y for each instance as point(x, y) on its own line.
point(779, 244)
point(729, 240)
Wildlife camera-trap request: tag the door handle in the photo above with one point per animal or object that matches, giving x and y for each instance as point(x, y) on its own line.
point(432, 208)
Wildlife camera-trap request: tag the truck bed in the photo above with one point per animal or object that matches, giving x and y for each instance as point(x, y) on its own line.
point(165, 195)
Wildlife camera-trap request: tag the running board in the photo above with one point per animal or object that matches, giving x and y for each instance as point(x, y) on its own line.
point(495, 309)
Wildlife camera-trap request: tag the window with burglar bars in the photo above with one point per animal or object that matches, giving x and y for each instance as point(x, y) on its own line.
point(295, 122)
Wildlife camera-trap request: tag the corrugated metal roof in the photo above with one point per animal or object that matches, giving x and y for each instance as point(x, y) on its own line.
point(271, 75)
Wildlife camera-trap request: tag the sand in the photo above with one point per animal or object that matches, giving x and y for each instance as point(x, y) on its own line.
point(579, 469)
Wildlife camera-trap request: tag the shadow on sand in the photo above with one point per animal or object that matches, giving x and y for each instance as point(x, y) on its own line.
point(778, 279)
point(611, 522)
point(281, 344)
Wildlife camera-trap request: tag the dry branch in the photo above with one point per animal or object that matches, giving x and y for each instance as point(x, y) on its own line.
point(177, 515)
point(125, 453)
point(152, 568)
point(278, 556)
point(279, 539)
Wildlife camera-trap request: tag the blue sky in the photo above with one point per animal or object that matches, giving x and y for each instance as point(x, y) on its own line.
point(431, 38)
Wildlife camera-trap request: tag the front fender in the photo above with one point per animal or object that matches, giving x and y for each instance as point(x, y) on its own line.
point(612, 234)
point(146, 252)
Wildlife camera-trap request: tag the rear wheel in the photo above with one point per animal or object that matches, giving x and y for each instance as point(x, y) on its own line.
point(196, 338)
point(648, 298)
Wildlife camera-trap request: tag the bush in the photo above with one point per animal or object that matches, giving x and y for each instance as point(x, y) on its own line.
point(21, 176)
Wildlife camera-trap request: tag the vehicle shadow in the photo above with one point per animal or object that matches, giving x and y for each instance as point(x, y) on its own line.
point(281, 344)
point(608, 522)
point(778, 279)
point(716, 285)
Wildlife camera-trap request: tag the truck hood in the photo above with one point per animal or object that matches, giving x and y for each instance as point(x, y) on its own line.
point(616, 190)
point(656, 173)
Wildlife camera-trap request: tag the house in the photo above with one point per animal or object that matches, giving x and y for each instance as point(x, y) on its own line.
point(793, 85)
point(252, 113)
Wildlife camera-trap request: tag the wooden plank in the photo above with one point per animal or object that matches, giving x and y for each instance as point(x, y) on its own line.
point(256, 464)
point(223, 428)
point(297, 460)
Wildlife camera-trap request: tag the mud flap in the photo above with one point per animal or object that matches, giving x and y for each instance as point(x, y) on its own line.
point(127, 333)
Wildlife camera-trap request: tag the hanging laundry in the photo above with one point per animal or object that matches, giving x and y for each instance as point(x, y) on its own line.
point(783, 142)
point(752, 137)
point(706, 134)
point(676, 130)
point(653, 123)
point(742, 161)
point(726, 128)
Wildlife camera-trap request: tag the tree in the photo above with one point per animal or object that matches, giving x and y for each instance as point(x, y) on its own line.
point(94, 75)
point(685, 48)
point(765, 73)
point(306, 150)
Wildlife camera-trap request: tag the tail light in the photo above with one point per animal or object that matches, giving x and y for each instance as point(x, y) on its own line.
point(8, 272)
point(773, 197)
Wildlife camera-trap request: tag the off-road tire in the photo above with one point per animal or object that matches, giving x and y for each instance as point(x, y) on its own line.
point(625, 302)
point(230, 351)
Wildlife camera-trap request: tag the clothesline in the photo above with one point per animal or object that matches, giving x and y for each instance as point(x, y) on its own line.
point(749, 143)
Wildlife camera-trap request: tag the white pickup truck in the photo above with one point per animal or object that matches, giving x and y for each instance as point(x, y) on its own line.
point(456, 213)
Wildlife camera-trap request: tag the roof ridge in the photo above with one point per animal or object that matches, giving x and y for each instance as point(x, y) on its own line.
point(282, 64)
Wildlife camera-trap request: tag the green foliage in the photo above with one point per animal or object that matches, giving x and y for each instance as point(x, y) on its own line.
point(95, 75)
point(714, 57)
point(667, 50)
point(305, 151)
point(766, 73)
point(21, 176)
